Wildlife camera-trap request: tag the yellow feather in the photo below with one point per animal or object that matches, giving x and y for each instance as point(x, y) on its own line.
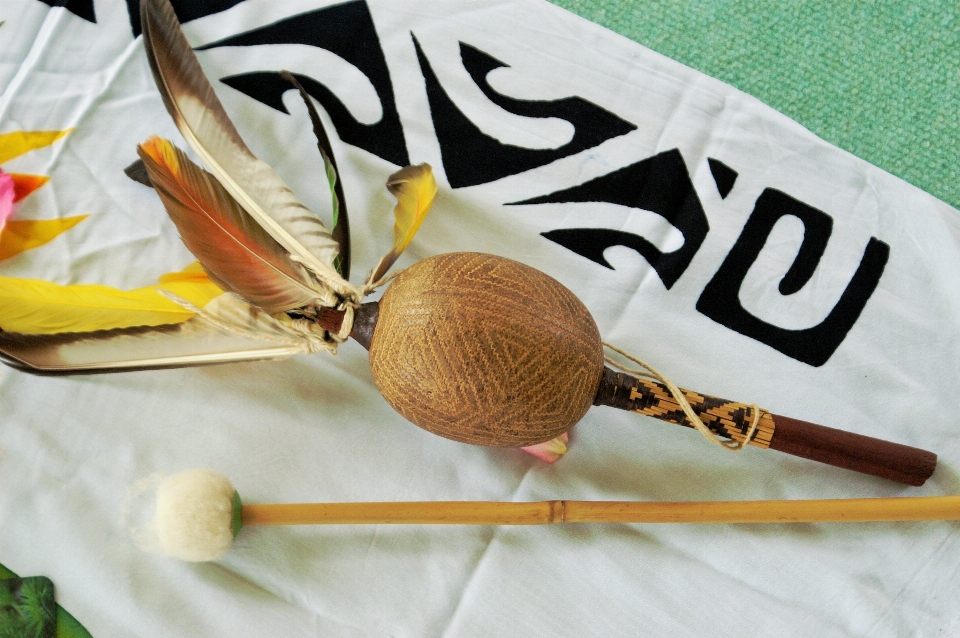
point(19, 142)
point(414, 187)
point(33, 306)
point(20, 235)
point(193, 272)
point(194, 287)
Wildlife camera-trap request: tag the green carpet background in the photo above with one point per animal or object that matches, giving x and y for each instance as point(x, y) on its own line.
point(878, 79)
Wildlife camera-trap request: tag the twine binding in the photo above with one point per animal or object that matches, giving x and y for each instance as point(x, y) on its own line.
point(349, 307)
point(306, 334)
point(650, 372)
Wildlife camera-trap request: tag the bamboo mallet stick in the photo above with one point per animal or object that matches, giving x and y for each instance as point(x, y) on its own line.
point(861, 510)
point(198, 513)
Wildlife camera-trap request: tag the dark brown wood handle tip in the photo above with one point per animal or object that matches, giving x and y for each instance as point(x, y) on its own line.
point(364, 321)
point(857, 452)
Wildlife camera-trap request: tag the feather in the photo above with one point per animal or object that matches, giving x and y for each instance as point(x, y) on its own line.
point(341, 223)
point(194, 272)
point(17, 143)
point(20, 235)
point(191, 343)
point(33, 306)
point(204, 124)
point(229, 330)
point(414, 187)
point(549, 451)
point(235, 251)
point(7, 195)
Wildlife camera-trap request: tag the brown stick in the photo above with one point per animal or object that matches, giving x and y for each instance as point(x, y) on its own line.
point(364, 322)
point(861, 510)
point(893, 461)
point(732, 420)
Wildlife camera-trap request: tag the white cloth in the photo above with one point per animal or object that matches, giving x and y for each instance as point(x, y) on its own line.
point(314, 428)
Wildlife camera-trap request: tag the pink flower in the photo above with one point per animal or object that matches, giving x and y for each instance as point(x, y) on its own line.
point(7, 194)
point(549, 451)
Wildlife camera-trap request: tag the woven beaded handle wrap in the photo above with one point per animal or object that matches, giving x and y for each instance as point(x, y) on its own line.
point(732, 420)
point(727, 419)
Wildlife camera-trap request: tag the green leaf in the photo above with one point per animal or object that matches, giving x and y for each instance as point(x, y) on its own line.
point(67, 625)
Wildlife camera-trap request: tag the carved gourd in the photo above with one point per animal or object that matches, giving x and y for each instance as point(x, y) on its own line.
point(485, 350)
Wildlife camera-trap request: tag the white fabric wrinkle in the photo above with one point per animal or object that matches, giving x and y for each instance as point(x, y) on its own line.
point(278, 594)
point(29, 61)
point(225, 567)
point(112, 72)
point(684, 101)
point(3, 90)
point(893, 603)
point(279, 588)
point(813, 612)
point(373, 540)
point(104, 189)
point(649, 274)
point(479, 562)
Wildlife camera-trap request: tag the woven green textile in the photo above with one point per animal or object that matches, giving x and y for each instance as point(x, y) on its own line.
point(879, 79)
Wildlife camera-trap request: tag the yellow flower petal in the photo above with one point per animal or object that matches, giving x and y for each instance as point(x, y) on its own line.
point(17, 143)
point(21, 235)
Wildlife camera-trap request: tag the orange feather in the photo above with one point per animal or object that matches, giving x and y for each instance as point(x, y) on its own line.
point(234, 249)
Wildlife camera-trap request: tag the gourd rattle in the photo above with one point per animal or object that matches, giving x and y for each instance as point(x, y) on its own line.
point(485, 350)
point(473, 347)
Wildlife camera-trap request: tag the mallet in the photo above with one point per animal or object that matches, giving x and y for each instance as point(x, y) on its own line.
point(198, 513)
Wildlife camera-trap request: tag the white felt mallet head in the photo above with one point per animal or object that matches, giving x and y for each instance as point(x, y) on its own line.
point(197, 515)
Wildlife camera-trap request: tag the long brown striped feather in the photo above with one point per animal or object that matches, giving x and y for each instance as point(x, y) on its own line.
point(205, 126)
point(191, 343)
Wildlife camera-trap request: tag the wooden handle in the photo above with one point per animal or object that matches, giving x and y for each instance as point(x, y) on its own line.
point(411, 513)
point(926, 508)
point(893, 461)
point(732, 420)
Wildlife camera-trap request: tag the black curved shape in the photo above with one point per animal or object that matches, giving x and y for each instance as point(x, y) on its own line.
point(80, 8)
point(720, 299)
point(592, 242)
point(817, 228)
point(472, 157)
point(186, 10)
point(723, 176)
point(660, 184)
point(346, 30)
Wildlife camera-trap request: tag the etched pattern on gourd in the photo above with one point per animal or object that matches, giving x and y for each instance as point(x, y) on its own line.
point(485, 350)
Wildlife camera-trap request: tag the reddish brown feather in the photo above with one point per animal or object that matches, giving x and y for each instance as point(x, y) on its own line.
point(237, 253)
